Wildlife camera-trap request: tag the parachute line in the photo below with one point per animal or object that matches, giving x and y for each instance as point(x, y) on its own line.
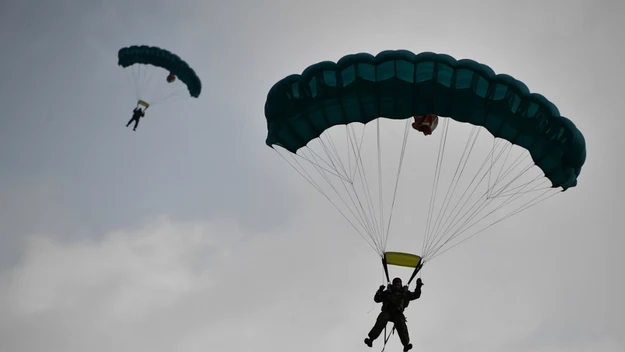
point(380, 188)
point(527, 206)
point(433, 248)
point(401, 162)
point(455, 179)
point(342, 176)
point(318, 188)
point(436, 179)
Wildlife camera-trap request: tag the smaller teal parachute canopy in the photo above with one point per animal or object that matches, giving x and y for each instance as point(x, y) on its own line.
point(155, 56)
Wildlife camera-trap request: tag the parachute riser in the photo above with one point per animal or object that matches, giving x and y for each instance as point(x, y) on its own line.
point(385, 266)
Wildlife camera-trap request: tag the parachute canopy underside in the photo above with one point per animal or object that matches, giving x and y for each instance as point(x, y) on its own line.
point(151, 55)
point(400, 84)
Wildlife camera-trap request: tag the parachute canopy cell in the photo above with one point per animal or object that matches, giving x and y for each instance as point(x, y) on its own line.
point(400, 84)
point(151, 55)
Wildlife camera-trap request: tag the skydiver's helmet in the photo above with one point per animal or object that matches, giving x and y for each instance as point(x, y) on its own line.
point(171, 77)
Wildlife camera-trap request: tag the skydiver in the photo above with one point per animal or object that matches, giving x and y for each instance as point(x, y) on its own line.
point(137, 113)
point(394, 300)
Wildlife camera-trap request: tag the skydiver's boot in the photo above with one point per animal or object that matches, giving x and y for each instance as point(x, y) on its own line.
point(369, 342)
point(407, 347)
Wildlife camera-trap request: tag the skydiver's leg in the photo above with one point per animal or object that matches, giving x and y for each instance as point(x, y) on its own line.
point(402, 330)
point(380, 324)
point(130, 121)
point(136, 124)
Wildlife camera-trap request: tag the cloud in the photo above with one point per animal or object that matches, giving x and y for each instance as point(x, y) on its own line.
point(97, 294)
point(213, 286)
point(165, 286)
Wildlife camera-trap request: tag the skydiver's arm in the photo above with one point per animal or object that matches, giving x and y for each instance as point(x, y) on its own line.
point(379, 296)
point(417, 290)
point(415, 294)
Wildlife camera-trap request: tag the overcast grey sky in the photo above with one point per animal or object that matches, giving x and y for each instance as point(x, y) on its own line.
point(191, 235)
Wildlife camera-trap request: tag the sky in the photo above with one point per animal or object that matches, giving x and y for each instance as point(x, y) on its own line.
point(191, 234)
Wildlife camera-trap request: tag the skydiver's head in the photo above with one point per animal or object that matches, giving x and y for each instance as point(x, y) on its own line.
point(396, 283)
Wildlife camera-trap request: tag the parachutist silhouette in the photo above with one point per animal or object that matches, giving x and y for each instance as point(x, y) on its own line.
point(137, 113)
point(394, 300)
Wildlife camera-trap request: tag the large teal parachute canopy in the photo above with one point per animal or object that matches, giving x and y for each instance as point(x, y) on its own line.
point(158, 57)
point(400, 84)
point(336, 124)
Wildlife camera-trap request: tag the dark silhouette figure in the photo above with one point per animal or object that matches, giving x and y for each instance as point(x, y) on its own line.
point(137, 113)
point(394, 300)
